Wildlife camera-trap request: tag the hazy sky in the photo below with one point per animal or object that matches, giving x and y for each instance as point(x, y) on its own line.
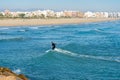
point(82, 5)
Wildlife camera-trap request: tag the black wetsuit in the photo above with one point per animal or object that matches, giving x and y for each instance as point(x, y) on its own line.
point(53, 46)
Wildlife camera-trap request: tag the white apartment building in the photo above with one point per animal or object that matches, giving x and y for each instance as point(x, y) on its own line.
point(106, 14)
point(118, 14)
point(89, 14)
point(60, 14)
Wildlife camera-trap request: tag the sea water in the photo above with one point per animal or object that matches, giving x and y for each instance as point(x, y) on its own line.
point(89, 51)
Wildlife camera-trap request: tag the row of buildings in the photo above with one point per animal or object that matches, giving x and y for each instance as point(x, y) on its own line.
point(102, 14)
point(61, 14)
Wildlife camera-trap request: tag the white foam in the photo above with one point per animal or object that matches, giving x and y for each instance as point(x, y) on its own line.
point(3, 28)
point(22, 30)
point(33, 27)
point(118, 59)
point(64, 51)
point(115, 59)
point(47, 51)
point(17, 71)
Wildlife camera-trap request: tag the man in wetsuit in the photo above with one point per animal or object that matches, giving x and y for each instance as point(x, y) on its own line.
point(53, 45)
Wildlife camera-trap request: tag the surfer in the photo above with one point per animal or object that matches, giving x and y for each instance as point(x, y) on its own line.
point(53, 45)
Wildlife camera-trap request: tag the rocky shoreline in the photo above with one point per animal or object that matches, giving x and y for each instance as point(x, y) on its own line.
point(7, 74)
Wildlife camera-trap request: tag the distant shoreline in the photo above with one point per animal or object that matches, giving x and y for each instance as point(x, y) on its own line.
point(37, 22)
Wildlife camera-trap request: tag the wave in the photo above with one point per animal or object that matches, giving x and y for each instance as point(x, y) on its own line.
point(23, 30)
point(13, 39)
point(98, 30)
point(102, 31)
point(34, 27)
point(108, 58)
point(3, 28)
point(106, 32)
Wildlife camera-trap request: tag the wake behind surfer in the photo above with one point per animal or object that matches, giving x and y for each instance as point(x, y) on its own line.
point(53, 45)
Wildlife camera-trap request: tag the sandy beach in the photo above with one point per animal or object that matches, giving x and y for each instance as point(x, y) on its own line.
point(32, 22)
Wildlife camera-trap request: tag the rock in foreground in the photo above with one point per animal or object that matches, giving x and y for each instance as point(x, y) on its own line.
point(7, 74)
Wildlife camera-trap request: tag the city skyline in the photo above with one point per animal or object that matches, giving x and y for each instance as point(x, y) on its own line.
point(93, 5)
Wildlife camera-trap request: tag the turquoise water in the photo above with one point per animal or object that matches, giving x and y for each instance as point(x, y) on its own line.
point(88, 51)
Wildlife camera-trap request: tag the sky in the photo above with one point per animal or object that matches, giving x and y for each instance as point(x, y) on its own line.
point(81, 5)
